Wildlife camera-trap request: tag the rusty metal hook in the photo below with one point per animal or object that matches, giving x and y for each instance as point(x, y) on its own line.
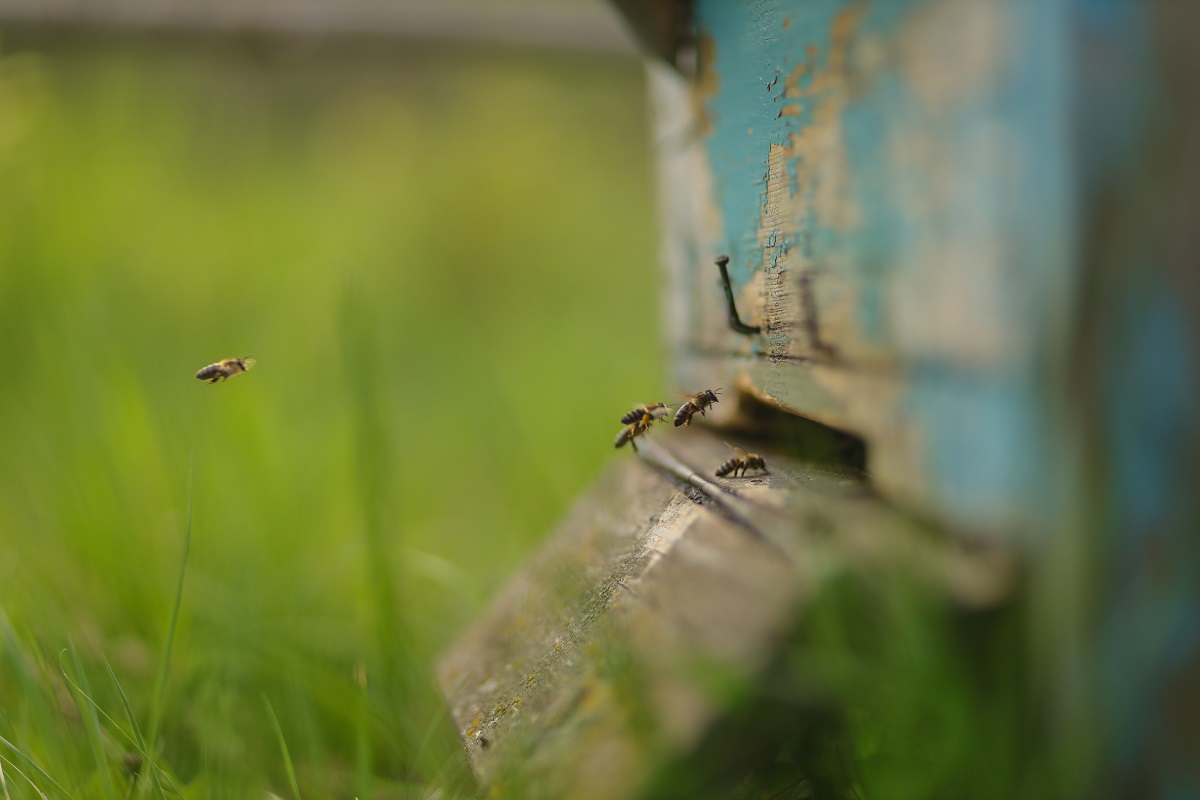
point(735, 322)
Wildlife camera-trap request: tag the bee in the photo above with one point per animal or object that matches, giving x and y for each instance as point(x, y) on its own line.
point(654, 410)
point(697, 403)
point(631, 432)
point(638, 421)
point(225, 369)
point(741, 462)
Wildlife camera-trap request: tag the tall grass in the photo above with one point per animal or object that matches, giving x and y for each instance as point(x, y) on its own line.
point(442, 261)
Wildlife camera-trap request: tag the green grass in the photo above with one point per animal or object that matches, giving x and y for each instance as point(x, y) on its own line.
point(443, 261)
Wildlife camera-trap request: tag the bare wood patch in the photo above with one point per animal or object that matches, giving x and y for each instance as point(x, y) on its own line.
point(589, 667)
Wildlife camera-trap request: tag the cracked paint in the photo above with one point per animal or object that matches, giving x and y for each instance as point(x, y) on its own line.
point(859, 159)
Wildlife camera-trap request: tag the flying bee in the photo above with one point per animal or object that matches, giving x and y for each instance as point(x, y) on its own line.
point(741, 462)
point(225, 369)
point(654, 411)
point(696, 404)
point(628, 434)
point(638, 421)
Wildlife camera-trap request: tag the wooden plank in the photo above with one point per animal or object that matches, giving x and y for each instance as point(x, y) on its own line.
point(967, 231)
point(890, 182)
point(588, 670)
point(1133, 394)
point(660, 25)
point(580, 26)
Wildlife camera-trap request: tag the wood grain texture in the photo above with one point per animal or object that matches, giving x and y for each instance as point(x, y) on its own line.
point(891, 185)
point(589, 670)
point(1134, 390)
point(968, 231)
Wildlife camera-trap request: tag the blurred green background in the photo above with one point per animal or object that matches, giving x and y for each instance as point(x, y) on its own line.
point(443, 259)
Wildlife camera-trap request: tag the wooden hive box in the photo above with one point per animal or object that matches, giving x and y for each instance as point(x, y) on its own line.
point(966, 235)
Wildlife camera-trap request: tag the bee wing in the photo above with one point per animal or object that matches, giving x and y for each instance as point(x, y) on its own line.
point(656, 411)
point(248, 362)
point(623, 437)
point(741, 453)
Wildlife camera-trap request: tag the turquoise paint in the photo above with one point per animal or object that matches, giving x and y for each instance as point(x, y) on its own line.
point(1151, 616)
point(752, 50)
point(1027, 203)
point(873, 247)
point(1154, 395)
point(997, 412)
point(979, 435)
point(1073, 99)
point(1149, 535)
point(1113, 42)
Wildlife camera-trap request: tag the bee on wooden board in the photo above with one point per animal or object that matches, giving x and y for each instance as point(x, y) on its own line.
point(638, 421)
point(696, 404)
point(742, 462)
point(225, 369)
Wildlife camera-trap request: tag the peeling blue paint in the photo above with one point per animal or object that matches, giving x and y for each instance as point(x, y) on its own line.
point(1152, 612)
point(754, 50)
point(1059, 122)
point(1154, 398)
point(753, 57)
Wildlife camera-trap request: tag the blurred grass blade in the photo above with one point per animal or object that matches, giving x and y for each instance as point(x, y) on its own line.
point(95, 735)
point(132, 739)
point(287, 758)
point(309, 461)
point(362, 743)
point(33, 764)
point(87, 696)
point(17, 770)
point(151, 760)
point(160, 683)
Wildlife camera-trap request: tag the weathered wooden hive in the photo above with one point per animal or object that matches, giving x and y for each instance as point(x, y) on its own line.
point(966, 235)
